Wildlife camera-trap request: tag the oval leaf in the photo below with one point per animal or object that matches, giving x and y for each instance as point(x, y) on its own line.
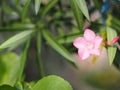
point(9, 66)
point(111, 33)
point(52, 82)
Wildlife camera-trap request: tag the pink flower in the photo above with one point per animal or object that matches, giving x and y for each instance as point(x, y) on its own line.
point(88, 45)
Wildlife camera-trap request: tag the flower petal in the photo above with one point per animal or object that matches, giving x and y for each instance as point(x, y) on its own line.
point(97, 41)
point(79, 42)
point(89, 35)
point(83, 53)
point(95, 52)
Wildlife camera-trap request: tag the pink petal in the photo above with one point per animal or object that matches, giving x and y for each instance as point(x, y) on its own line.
point(79, 42)
point(89, 35)
point(95, 52)
point(83, 53)
point(97, 41)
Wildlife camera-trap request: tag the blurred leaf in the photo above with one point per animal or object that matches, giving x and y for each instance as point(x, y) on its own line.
point(52, 82)
point(9, 66)
point(22, 85)
point(37, 5)
point(25, 9)
point(68, 38)
point(39, 57)
point(83, 7)
point(7, 87)
point(98, 4)
point(17, 27)
point(55, 45)
point(16, 39)
point(48, 7)
point(7, 9)
point(106, 80)
point(111, 33)
point(116, 60)
point(78, 14)
point(23, 60)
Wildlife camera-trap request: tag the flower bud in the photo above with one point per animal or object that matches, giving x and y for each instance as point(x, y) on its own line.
point(115, 40)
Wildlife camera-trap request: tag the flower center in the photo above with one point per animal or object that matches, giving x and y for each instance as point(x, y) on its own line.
point(90, 45)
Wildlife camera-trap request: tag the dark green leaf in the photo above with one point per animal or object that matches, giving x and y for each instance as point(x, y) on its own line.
point(25, 9)
point(23, 60)
point(48, 7)
point(55, 45)
point(98, 4)
point(37, 5)
point(39, 58)
point(52, 82)
point(83, 7)
point(111, 33)
point(77, 13)
point(7, 87)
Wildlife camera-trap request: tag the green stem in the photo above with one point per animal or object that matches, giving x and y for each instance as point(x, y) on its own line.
point(39, 59)
point(23, 60)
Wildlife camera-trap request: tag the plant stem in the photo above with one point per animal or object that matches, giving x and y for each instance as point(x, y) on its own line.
point(39, 59)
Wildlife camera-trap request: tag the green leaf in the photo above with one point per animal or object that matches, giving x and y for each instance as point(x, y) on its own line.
point(55, 45)
point(7, 87)
point(68, 38)
point(25, 9)
point(23, 60)
point(7, 9)
point(52, 82)
point(17, 39)
point(37, 5)
point(83, 7)
point(48, 7)
point(39, 57)
point(98, 4)
point(111, 33)
point(9, 66)
point(78, 14)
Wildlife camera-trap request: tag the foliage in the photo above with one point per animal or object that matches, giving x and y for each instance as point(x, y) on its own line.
point(53, 23)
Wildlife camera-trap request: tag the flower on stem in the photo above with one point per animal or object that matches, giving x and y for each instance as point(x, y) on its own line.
point(114, 41)
point(88, 45)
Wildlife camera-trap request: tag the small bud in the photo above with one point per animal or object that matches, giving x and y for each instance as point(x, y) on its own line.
point(115, 40)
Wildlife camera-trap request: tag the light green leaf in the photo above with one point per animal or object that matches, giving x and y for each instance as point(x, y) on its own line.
point(9, 66)
point(52, 82)
point(25, 9)
point(83, 7)
point(37, 5)
point(111, 33)
point(77, 13)
point(17, 39)
point(55, 45)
